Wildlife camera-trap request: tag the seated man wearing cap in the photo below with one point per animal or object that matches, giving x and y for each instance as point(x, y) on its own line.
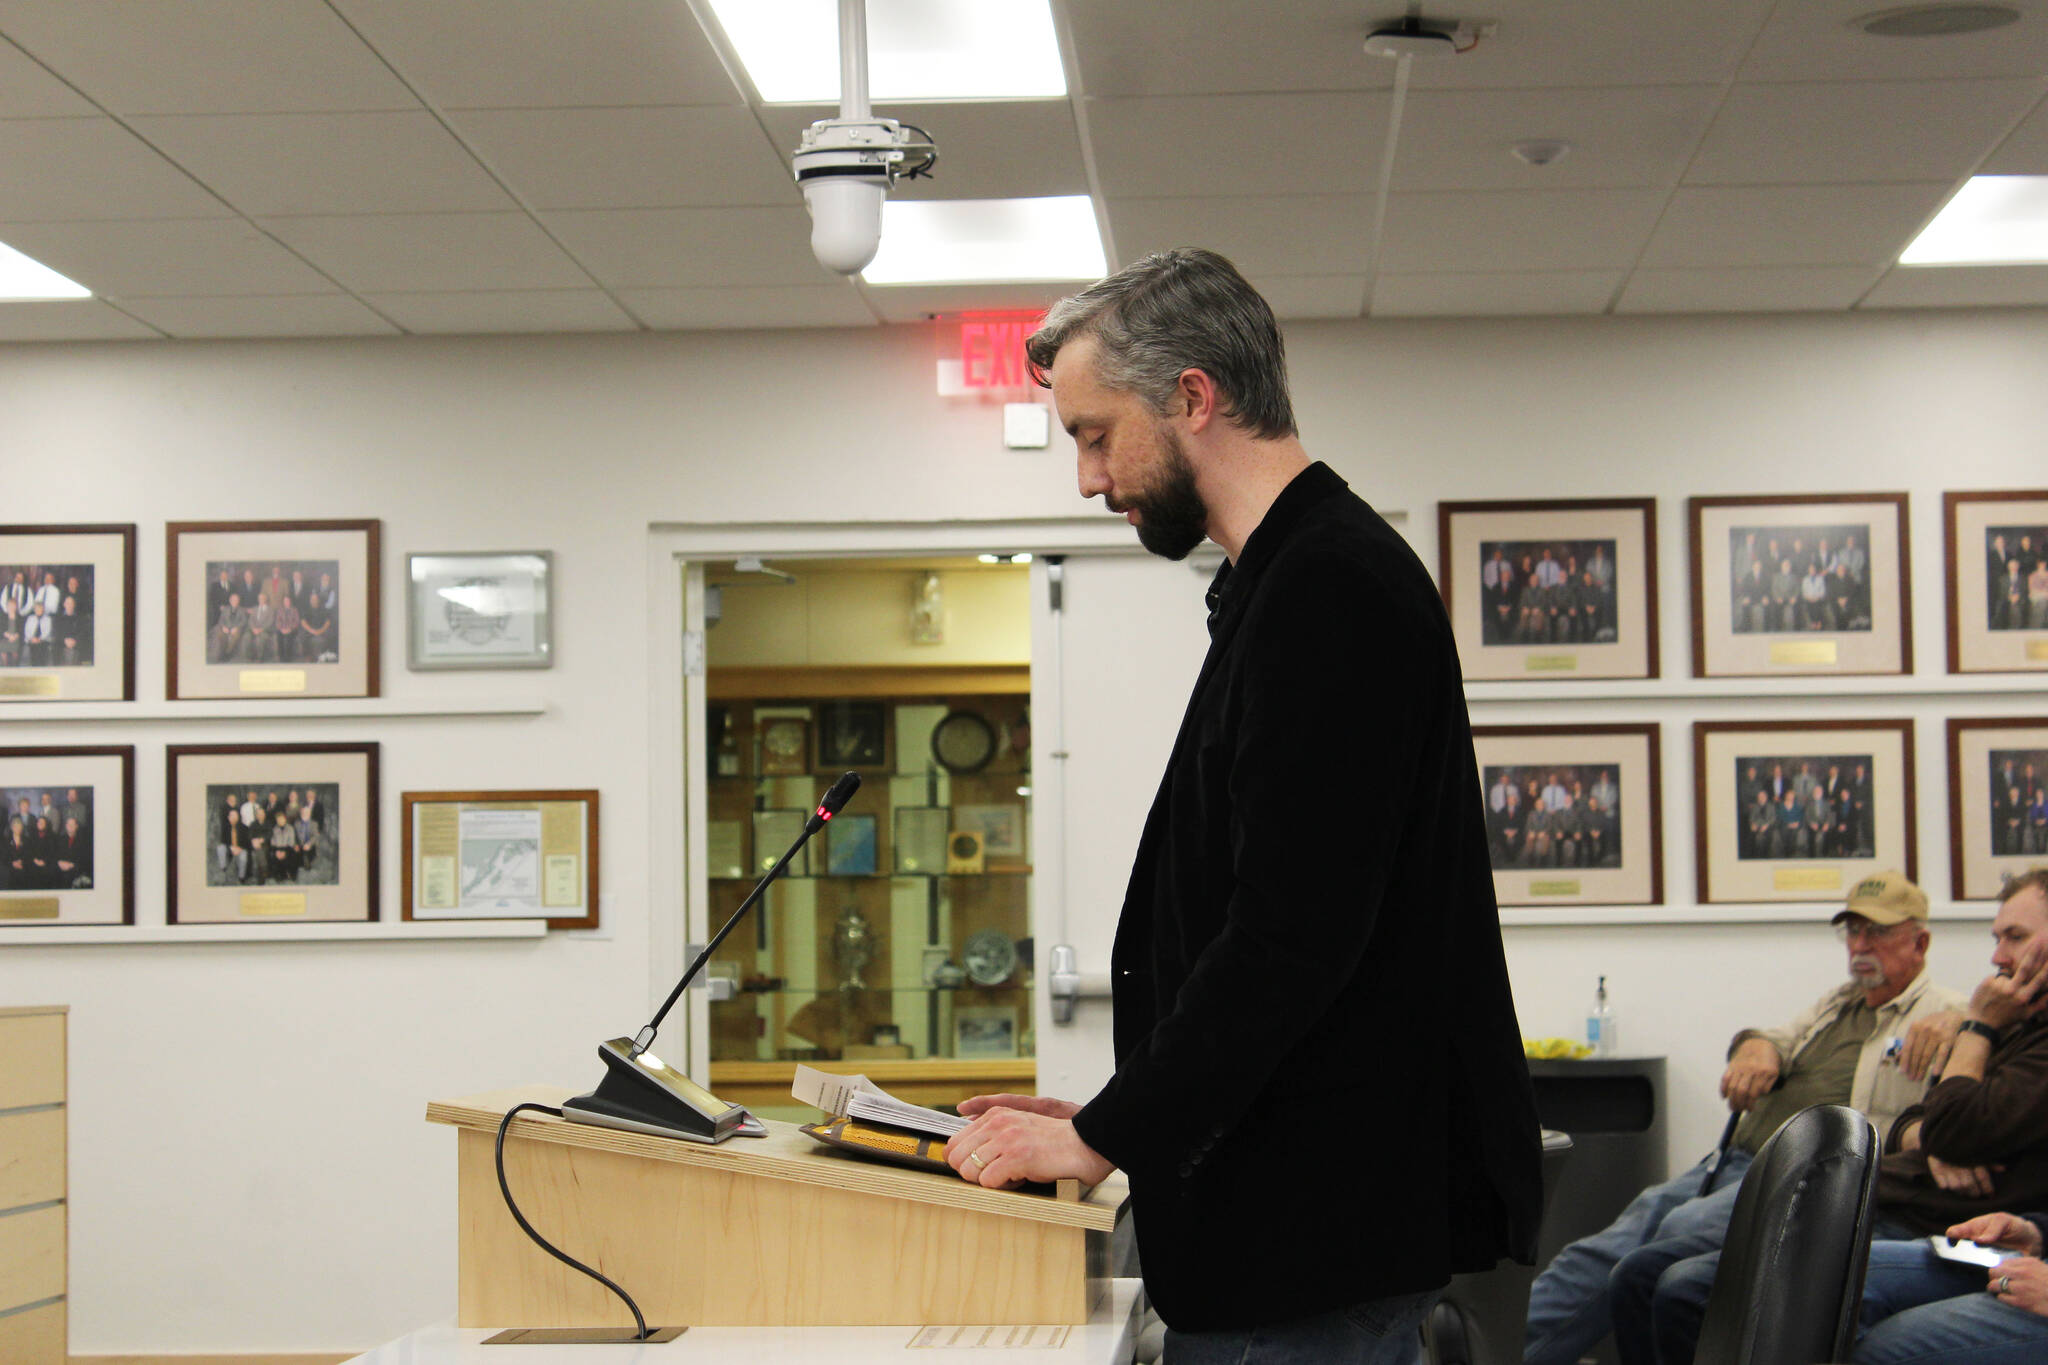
point(1978, 1142)
point(1869, 1043)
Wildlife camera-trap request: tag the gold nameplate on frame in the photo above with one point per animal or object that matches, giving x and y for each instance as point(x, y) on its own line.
point(32, 685)
point(273, 680)
point(1551, 663)
point(1803, 652)
point(273, 903)
point(29, 907)
point(2037, 651)
point(1570, 888)
point(1806, 879)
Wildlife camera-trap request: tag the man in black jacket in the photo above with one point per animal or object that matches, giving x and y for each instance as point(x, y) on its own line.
point(1320, 1098)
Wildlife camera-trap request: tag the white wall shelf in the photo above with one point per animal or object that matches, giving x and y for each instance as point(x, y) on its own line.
point(1762, 689)
point(305, 708)
point(402, 931)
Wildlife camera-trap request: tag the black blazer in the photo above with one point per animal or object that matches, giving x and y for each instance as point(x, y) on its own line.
point(1320, 1096)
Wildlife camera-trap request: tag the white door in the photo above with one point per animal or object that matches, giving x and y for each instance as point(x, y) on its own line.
point(1111, 671)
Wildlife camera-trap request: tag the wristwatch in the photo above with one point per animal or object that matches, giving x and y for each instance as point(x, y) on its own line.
point(1981, 1029)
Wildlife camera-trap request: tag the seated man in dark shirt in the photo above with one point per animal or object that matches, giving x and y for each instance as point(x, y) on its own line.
point(1922, 1309)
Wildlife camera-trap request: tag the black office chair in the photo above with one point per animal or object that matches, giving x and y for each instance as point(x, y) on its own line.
point(1482, 1316)
point(1791, 1272)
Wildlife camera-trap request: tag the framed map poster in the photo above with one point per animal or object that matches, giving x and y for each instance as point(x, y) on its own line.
point(500, 855)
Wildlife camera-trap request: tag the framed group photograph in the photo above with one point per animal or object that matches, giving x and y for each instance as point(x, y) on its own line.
point(1551, 589)
point(1997, 563)
point(262, 609)
point(1997, 802)
point(1574, 813)
point(500, 855)
point(1801, 810)
point(263, 833)
point(67, 836)
point(67, 613)
point(479, 610)
point(1810, 583)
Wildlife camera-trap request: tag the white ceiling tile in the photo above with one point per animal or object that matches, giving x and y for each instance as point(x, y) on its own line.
point(921, 302)
point(1271, 235)
point(204, 56)
point(423, 252)
point(28, 91)
point(69, 320)
point(1790, 224)
point(1973, 286)
point(1856, 131)
point(1299, 297)
point(74, 168)
point(297, 315)
point(514, 310)
point(1629, 137)
point(1239, 144)
point(643, 157)
point(534, 54)
point(1819, 40)
point(794, 306)
point(167, 256)
point(1494, 294)
point(2025, 149)
point(686, 248)
point(277, 164)
point(1765, 289)
point(1160, 47)
point(988, 149)
point(1529, 231)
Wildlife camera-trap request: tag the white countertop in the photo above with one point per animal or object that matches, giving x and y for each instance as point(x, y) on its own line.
point(1106, 1339)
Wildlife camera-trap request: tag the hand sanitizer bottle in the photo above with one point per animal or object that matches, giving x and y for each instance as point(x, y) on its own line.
point(1600, 1026)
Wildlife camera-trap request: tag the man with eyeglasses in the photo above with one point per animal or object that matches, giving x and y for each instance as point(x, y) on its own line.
point(1871, 1043)
point(1976, 1145)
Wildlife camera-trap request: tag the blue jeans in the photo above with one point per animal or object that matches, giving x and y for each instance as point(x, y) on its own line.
point(1377, 1332)
point(1921, 1310)
point(1660, 1295)
point(1568, 1304)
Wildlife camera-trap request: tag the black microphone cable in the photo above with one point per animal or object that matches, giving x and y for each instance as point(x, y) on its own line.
point(550, 1248)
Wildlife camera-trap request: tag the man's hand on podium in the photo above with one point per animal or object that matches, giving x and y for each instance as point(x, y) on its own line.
point(1015, 1138)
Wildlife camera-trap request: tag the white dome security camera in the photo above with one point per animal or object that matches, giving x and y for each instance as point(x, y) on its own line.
point(846, 221)
point(845, 168)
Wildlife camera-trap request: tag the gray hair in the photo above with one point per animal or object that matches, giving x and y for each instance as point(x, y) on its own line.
point(1179, 310)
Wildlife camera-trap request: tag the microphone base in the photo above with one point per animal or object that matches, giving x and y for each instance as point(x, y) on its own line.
point(643, 1094)
point(582, 1336)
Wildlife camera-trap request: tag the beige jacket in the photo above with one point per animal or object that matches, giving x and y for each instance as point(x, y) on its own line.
point(1880, 1090)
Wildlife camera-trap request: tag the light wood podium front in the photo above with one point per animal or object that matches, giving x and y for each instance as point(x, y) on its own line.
point(775, 1231)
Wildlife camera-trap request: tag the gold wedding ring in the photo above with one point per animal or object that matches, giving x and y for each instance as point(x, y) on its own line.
point(975, 1157)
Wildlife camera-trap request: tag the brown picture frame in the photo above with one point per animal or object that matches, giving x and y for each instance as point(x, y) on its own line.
point(1991, 648)
point(1725, 646)
point(29, 907)
point(351, 898)
point(1641, 800)
point(1976, 874)
point(1725, 874)
point(588, 851)
point(102, 679)
point(191, 672)
point(1493, 648)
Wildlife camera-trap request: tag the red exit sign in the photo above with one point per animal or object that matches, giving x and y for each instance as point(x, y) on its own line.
point(992, 353)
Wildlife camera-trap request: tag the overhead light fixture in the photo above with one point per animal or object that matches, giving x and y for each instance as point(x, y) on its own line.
point(917, 49)
point(1935, 21)
point(1993, 220)
point(1540, 151)
point(981, 241)
point(23, 280)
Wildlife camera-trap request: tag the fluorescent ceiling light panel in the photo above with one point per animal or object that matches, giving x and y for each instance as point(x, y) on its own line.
point(917, 49)
point(979, 241)
point(22, 278)
point(1993, 220)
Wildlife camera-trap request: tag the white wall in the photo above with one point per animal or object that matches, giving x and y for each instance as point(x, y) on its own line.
point(249, 1168)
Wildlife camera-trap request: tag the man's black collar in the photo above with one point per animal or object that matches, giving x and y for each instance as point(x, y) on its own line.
point(1302, 492)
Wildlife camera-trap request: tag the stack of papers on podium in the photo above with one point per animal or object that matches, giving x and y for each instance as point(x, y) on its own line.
point(857, 1097)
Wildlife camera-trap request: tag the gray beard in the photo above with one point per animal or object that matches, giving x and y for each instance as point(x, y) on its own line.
point(1172, 519)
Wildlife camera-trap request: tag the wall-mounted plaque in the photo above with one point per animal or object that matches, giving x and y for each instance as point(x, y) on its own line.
point(501, 855)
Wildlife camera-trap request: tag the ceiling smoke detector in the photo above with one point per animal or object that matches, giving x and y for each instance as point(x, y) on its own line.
point(1412, 37)
point(1936, 21)
point(1540, 151)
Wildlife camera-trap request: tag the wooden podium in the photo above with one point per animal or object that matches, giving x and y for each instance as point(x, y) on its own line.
point(775, 1231)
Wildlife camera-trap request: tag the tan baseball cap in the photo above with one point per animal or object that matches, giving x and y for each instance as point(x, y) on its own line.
point(1885, 898)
